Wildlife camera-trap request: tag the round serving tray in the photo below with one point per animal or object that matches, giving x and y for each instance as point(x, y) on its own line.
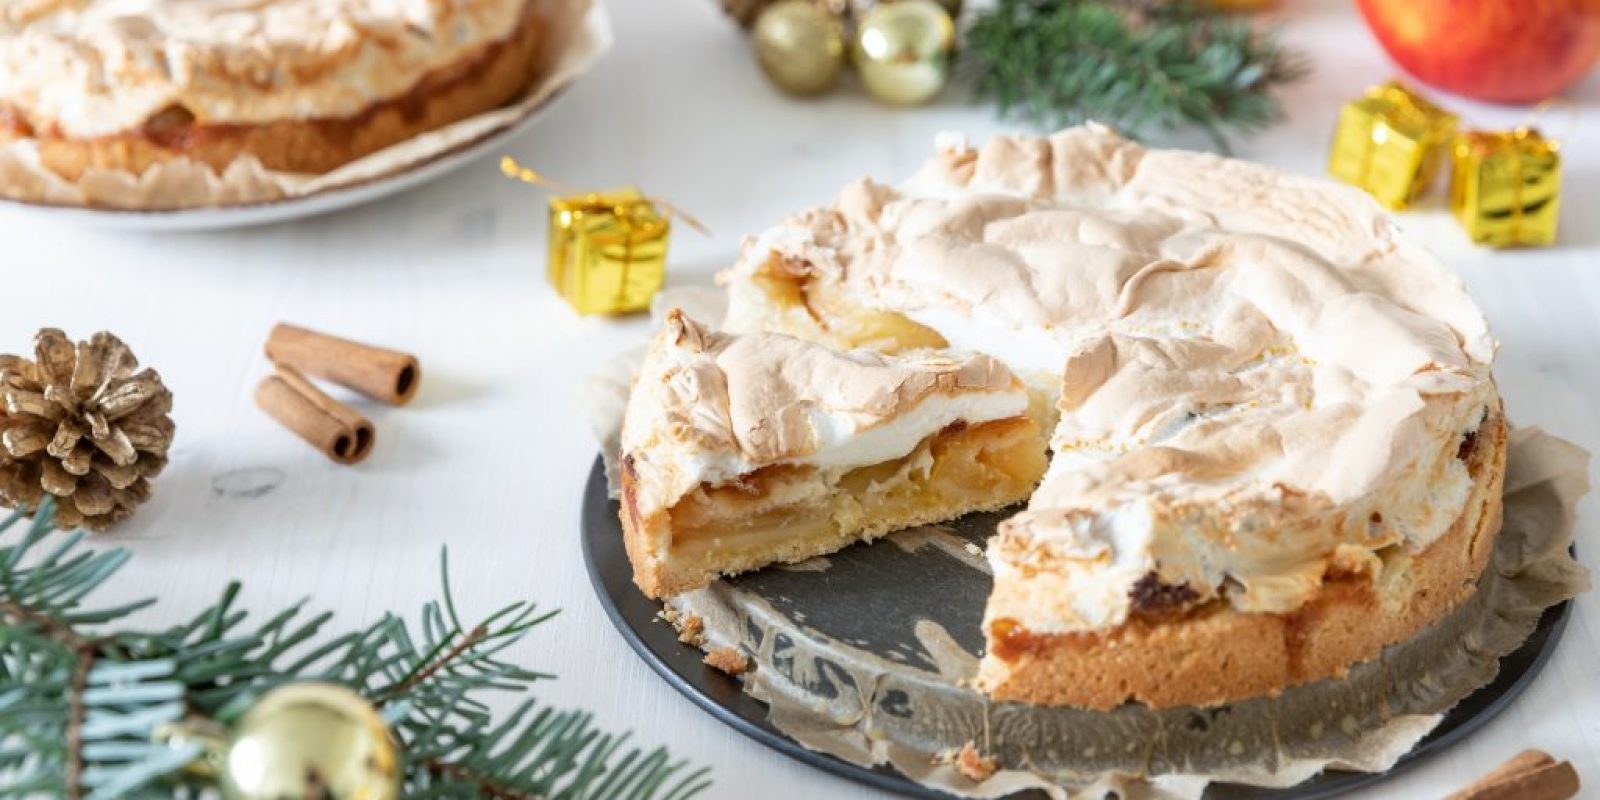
point(722, 696)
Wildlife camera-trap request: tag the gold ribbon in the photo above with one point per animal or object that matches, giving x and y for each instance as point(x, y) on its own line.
point(1517, 137)
point(1512, 146)
point(512, 169)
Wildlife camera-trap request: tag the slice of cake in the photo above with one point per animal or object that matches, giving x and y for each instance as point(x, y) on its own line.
point(749, 450)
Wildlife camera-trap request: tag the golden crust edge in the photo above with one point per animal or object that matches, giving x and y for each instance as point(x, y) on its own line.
point(1222, 655)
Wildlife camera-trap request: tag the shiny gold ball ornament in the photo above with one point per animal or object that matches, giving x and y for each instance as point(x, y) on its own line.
point(800, 46)
point(902, 50)
point(311, 740)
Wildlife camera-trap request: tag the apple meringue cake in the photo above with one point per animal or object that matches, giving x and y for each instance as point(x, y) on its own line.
point(1275, 441)
point(301, 86)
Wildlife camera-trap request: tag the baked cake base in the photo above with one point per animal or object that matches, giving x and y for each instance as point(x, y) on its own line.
point(1218, 655)
point(493, 76)
point(783, 514)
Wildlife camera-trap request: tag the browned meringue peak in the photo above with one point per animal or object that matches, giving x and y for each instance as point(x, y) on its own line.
point(708, 407)
point(100, 67)
point(1252, 361)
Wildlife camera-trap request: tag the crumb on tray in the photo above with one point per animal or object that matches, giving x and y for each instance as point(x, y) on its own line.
point(975, 765)
point(691, 627)
point(728, 659)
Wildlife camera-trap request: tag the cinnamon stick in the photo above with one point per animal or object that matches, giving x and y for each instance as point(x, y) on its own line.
point(1529, 775)
point(388, 376)
point(339, 431)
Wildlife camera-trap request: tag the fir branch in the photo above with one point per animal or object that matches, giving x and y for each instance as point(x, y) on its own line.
point(83, 653)
point(1136, 66)
point(428, 669)
point(75, 714)
point(85, 702)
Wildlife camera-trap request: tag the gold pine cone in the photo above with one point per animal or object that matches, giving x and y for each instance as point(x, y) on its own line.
point(78, 423)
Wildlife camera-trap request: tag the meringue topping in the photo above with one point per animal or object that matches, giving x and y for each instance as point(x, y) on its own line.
point(1256, 374)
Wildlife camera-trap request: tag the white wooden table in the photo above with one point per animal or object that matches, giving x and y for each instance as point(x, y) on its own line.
point(492, 456)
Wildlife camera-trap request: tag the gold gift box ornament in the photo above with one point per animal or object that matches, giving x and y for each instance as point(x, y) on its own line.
point(1390, 142)
point(1505, 186)
point(608, 250)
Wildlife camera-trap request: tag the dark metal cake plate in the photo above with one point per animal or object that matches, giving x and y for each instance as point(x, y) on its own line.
point(722, 696)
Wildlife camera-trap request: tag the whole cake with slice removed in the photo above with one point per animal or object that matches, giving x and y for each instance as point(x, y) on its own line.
point(1275, 441)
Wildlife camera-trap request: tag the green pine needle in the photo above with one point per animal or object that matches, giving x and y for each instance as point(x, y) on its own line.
point(1136, 66)
point(427, 681)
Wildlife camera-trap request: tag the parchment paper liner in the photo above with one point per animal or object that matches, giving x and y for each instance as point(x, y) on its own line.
point(840, 699)
point(579, 35)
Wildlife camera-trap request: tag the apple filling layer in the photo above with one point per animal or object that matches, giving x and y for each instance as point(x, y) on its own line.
point(786, 513)
point(793, 302)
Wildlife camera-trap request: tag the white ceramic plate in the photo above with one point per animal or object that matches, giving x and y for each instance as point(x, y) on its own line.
point(596, 29)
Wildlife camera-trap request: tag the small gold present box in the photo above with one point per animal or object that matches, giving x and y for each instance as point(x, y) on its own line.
point(1505, 186)
point(608, 250)
point(1390, 142)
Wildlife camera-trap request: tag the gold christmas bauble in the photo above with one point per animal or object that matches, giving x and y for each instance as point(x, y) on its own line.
point(902, 50)
point(311, 740)
point(800, 46)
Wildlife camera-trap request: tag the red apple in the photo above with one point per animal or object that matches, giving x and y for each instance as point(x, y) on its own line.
point(1503, 51)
